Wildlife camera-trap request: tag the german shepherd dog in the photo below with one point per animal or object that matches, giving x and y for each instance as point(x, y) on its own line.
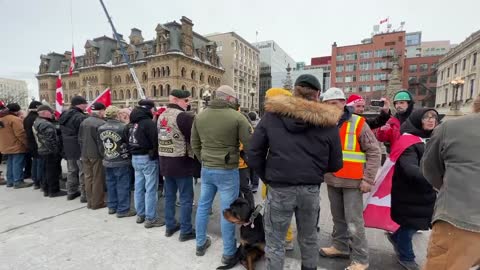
point(252, 234)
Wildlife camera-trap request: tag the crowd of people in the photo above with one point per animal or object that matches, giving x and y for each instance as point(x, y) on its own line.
point(304, 139)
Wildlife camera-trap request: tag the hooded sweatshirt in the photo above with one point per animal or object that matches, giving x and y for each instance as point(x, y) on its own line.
point(143, 134)
point(296, 142)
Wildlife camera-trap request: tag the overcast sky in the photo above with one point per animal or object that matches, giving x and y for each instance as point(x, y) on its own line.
point(304, 29)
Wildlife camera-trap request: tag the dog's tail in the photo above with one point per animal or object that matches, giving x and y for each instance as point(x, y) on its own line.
point(233, 262)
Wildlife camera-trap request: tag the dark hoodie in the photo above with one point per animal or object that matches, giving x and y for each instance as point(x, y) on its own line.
point(70, 121)
point(413, 198)
point(296, 133)
point(143, 134)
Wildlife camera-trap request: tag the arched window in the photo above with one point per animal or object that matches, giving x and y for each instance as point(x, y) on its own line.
point(90, 95)
point(127, 78)
point(161, 90)
point(66, 98)
point(193, 92)
point(183, 72)
point(129, 94)
point(135, 94)
point(168, 71)
point(97, 93)
point(122, 97)
point(115, 97)
point(154, 91)
point(154, 73)
point(201, 92)
point(184, 87)
point(202, 77)
point(144, 76)
point(193, 75)
point(159, 74)
point(163, 72)
point(168, 89)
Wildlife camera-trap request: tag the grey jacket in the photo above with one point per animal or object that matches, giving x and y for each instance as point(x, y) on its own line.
point(451, 163)
point(88, 137)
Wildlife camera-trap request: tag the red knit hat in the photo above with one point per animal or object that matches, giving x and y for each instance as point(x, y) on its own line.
point(355, 99)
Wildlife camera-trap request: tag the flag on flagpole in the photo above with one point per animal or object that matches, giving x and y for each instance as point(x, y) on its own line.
point(105, 97)
point(72, 62)
point(59, 97)
point(376, 212)
point(384, 21)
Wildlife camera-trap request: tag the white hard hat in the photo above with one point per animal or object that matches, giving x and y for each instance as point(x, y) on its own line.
point(333, 93)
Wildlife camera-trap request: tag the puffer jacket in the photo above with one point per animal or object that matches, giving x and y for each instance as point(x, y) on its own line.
point(413, 197)
point(296, 133)
point(70, 121)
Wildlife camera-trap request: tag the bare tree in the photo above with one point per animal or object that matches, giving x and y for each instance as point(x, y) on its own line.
point(14, 97)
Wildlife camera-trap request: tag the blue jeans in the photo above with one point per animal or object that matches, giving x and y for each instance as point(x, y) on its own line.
point(184, 185)
point(38, 166)
point(227, 182)
point(146, 186)
point(118, 188)
point(403, 240)
point(15, 165)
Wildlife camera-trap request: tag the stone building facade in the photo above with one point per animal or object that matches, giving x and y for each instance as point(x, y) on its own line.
point(178, 58)
point(462, 62)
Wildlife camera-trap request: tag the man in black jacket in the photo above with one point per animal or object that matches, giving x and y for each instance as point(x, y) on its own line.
point(113, 136)
point(37, 163)
point(143, 145)
point(92, 158)
point(69, 124)
point(295, 132)
point(48, 138)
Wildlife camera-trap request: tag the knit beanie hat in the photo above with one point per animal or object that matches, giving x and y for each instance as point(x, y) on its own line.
point(277, 92)
point(355, 99)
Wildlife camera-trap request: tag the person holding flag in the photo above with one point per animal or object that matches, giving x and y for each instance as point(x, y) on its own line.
point(413, 197)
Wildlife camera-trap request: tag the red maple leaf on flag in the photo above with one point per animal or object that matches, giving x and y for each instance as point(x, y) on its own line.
point(164, 124)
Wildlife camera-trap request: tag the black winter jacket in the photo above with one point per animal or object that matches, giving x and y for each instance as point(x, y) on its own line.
point(28, 126)
point(88, 137)
point(70, 121)
point(48, 137)
point(113, 143)
point(296, 142)
point(413, 198)
point(378, 121)
point(143, 134)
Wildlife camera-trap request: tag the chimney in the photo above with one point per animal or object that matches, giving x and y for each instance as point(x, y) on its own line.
point(187, 36)
point(135, 36)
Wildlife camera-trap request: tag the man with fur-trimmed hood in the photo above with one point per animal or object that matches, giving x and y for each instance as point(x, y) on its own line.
point(293, 146)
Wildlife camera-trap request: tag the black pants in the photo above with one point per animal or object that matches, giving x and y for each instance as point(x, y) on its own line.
point(52, 173)
point(245, 190)
point(27, 173)
point(253, 179)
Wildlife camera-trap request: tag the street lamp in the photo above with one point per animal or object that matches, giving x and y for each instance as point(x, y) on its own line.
point(206, 97)
point(252, 93)
point(456, 83)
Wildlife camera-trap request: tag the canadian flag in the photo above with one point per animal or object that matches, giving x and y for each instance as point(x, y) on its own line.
point(72, 62)
point(384, 20)
point(376, 212)
point(105, 97)
point(59, 97)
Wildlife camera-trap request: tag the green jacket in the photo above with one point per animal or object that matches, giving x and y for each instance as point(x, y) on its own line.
point(216, 136)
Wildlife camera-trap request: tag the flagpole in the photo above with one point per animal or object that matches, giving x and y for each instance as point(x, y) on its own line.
point(101, 94)
point(124, 53)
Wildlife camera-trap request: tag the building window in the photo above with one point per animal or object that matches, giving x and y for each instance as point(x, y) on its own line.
point(184, 87)
point(350, 78)
point(446, 95)
point(472, 86)
point(364, 88)
point(412, 79)
point(351, 67)
point(339, 79)
point(366, 54)
point(433, 66)
point(455, 69)
point(183, 72)
point(339, 68)
point(380, 53)
point(379, 76)
point(365, 77)
point(351, 56)
point(464, 64)
point(433, 79)
point(441, 75)
point(154, 91)
point(412, 68)
point(474, 60)
point(365, 66)
point(380, 64)
point(423, 67)
point(340, 57)
point(423, 79)
point(379, 87)
point(448, 73)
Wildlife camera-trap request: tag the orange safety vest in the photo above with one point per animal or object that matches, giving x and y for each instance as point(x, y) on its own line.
point(353, 157)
